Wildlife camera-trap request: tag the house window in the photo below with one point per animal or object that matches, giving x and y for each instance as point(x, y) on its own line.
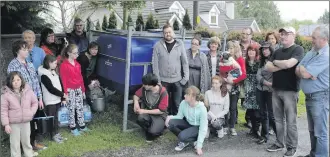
point(214, 18)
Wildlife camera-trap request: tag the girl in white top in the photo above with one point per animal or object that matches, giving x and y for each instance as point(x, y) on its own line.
point(217, 100)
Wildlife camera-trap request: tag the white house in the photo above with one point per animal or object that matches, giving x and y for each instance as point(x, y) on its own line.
point(216, 16)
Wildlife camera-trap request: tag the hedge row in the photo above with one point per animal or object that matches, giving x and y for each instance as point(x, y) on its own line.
point(305, 42)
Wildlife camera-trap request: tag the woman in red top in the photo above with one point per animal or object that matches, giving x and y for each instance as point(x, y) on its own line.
point(235, 51)
point(73, 86)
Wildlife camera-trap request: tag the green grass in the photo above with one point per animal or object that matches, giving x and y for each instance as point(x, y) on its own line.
point(103, 136)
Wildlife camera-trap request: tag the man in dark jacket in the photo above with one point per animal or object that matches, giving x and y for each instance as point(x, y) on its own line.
point(78, 36)
point(153, 109)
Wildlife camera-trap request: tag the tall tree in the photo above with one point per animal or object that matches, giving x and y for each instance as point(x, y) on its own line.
point(63, 13)
point(19, 16)
point(176, 24)
point(156, 24)
point(265, 13)
point(324, 18)
point(126, 5)
point(150, 24)
point(98, 26)
point(186, 21)
point(139, 24)
point(104, 23)
point(296, 23)
point(112, 21)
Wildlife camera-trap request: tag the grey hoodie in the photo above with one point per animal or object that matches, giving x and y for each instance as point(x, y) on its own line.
point(168, 66)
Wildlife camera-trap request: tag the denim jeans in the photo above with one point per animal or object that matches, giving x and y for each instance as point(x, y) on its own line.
point(285, 108)
point(183, 130)
point(175, 96)
point(233, 100)
point(317, 106)
point(264, 99)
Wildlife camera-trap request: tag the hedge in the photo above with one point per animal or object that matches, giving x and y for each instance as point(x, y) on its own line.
point(305, 42)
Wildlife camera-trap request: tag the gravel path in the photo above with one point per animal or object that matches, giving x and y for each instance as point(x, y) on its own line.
point(239, 146)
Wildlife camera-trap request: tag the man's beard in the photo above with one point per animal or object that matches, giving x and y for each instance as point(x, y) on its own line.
point(167, 38)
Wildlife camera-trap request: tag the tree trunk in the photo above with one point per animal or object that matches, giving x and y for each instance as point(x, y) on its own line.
point(125, 15)
point(195, 14)
point(63, 12)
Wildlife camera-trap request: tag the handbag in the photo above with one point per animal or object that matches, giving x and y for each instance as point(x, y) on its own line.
point(63, 116)
point(44, 124)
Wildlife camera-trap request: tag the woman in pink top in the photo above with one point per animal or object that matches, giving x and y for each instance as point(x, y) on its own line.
point(18, 106)
point(73, 86)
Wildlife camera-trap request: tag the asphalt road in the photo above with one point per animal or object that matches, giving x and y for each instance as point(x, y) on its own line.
point(243, 146)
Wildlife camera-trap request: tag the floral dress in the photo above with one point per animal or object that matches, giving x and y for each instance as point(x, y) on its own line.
point(250, 86)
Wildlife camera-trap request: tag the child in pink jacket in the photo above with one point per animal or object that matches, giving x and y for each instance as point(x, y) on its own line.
point(18, 105)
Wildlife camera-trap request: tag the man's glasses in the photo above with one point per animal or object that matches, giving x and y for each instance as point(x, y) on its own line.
point(246, 34)
point(79, 25)
point(285, 34)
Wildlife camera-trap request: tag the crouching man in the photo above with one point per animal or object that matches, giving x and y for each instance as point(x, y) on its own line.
point(152, 111)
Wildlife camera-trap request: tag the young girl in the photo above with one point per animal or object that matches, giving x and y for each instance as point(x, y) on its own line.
point(194, 126)
point(18, 106)
point(250, 88)
point(235, 51)
point(73, 85)
point(217, 99)
point(52, 91)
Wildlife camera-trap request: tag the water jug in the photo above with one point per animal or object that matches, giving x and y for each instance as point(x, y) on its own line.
point(63, 116)
point(87, 113)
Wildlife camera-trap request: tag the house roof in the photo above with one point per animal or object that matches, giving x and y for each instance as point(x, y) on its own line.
point(162, 4)
point(205, 6)
point(238, 24)
point(164, 17)
point(307, 30)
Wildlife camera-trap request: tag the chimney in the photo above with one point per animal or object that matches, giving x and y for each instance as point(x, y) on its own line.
point(230, 9)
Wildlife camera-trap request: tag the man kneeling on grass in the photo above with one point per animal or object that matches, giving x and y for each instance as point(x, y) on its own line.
point(194, 126)
point(153, 110)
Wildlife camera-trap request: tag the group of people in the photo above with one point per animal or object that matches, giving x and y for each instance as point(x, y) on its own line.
point(266, 76)
point(57, 72)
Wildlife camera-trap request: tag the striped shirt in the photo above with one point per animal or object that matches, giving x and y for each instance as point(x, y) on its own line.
point(28, 73)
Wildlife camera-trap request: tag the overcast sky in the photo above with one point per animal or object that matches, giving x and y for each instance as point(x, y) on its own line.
point(301, 10)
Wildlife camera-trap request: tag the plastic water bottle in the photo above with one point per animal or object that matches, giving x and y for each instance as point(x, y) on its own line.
point(63, 116)
point(87, 113)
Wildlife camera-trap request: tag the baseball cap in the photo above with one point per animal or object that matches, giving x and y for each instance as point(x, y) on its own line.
point(288, 29)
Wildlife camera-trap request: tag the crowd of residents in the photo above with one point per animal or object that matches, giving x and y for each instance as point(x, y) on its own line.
point(191, 93)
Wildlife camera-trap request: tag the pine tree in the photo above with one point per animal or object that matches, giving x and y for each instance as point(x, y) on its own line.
point(176, 25)
point(150, 24)
point(139, 24)
point(186, 21)
point(156, 24)
point(98, 25)
point(88, 24)
point(112, 21)
point(104, 23)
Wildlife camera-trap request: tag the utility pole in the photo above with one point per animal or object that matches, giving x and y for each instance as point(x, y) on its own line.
point(195, 14)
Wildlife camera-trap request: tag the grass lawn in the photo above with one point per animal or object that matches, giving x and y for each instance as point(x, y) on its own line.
point(107, 135)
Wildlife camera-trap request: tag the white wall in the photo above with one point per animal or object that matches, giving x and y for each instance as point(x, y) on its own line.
point(230, 10)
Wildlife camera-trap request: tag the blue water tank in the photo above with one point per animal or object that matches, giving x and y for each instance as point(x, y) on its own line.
point(112, 58)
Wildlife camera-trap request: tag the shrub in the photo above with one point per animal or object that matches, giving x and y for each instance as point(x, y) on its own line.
point(186, 21)
point(98, 25)
point(112, 21)
point(176, 25)
point(104, 23)
point(204, 32)
point(139, 24)
point(150, 24)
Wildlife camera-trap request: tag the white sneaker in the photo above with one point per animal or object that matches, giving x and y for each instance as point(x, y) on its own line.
point(233, 132)
point(35, 154)
point(220, 133)
point(181, 145)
